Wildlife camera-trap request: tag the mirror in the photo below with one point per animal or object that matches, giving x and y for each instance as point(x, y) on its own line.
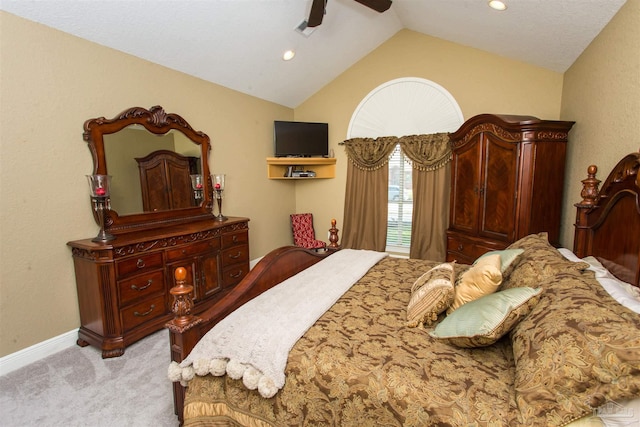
point(135, 155)
point(159, 168)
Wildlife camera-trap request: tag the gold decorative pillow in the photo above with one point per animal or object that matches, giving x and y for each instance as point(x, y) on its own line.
point(431, 294)
point(507, 259)
point(484, 321)
point(481, 279)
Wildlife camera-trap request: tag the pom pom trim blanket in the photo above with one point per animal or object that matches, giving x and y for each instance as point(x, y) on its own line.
point(254, 341)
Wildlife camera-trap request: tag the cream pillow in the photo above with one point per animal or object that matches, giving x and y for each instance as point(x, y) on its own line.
point(483, 278)
point(431, 294)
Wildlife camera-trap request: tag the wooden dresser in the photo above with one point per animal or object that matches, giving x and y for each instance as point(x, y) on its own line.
point(123, 286)
point(507, 178)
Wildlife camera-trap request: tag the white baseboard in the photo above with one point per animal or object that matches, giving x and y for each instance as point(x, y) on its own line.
point(253, 262)
point(21, 358)
point(24, 357)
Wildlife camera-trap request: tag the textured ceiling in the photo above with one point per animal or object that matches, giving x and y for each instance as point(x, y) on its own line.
point(239, 43)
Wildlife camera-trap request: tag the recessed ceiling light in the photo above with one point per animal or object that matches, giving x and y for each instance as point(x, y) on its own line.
point(288, 55)
point(497, 5)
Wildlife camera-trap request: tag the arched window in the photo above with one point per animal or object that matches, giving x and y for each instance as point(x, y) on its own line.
point(404, 106)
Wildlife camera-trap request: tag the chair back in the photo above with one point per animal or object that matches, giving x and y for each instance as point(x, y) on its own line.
point(303, 233)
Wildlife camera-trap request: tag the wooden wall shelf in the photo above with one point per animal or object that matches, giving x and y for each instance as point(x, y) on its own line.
point(277, 167)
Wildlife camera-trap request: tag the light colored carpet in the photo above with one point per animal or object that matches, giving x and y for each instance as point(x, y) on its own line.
point(76, 387)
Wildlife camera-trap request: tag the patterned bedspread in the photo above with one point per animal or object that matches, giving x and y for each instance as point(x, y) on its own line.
point(359, 365)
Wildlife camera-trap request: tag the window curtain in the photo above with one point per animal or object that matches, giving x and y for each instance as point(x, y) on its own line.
point(365, 206)
point(430, 157)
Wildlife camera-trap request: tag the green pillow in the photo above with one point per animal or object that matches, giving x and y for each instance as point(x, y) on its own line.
point(507, 256)
point(484, 321)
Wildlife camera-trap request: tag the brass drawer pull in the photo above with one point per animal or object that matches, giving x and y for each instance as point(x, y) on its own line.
point(238, 255)
point(146, 313)
point(460, 246)
point(235, 276)
point(142, 288)
point(140, 263)
point(234, 238)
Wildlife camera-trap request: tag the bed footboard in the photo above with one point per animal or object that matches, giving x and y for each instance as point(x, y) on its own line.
point(185, 330)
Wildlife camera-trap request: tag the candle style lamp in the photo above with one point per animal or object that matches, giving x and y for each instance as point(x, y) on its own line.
point(99, 186)
point(218, 188)
point(196, 184)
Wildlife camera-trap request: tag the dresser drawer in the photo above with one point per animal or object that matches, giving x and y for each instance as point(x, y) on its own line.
point(193, 249)
point(140, 264)
point(231, 276)
point(140, 286)
point(234, 239)
point(143, 311)
point(235, 255)
point(466, 250)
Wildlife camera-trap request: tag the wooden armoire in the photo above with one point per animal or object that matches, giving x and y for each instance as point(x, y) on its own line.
point(165, 180)
point(507, 178)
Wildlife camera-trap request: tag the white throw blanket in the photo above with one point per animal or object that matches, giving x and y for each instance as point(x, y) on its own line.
point(254, 341)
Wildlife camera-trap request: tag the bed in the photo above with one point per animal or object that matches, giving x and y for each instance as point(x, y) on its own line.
point(555, 342)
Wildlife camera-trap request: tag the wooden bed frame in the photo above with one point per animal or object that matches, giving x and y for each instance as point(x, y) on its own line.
point(608, 220)
point(607, 227)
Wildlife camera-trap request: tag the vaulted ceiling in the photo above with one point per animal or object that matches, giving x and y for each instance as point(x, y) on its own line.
point(239, 43)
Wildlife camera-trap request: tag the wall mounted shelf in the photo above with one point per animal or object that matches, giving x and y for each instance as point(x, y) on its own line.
point(279, 167)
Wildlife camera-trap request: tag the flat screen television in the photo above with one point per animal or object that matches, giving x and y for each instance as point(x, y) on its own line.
point(300, 139)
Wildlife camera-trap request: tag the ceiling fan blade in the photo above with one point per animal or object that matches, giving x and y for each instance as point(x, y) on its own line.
point(377, 5)
point(317, 13)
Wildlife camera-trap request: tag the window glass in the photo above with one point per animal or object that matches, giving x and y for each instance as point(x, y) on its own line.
point(400, 202)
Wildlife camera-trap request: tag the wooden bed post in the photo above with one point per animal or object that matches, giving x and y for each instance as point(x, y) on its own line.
point(589, 195)
point(183, 335)
point(333, 235)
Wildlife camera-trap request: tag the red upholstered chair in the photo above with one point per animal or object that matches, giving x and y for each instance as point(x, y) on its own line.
point(303, 234)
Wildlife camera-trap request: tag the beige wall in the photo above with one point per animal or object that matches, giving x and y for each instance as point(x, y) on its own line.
point(479, 81)
point(602, 94)
point(50, 83)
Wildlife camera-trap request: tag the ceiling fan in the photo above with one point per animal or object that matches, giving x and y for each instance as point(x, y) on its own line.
point(318, 9)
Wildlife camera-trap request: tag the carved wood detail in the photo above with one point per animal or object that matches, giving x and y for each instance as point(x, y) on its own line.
point(590, 185)
point(490, 127)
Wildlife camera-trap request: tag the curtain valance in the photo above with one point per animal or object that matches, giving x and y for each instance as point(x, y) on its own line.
point(370, 153)
point(426, 152)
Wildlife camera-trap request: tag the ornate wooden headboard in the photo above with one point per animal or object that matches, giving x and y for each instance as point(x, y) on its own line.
point(608, 219)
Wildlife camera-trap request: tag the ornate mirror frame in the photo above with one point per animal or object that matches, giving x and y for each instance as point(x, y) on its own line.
point(158, 122)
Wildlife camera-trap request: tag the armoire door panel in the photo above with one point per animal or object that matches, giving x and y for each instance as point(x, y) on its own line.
point(466, 176)
point(542, 204)
point(154, 192)
point(178, 174)
point(498, 191)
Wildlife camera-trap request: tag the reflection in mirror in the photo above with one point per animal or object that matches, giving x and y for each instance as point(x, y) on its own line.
point(152, 156)
point(157, 184)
